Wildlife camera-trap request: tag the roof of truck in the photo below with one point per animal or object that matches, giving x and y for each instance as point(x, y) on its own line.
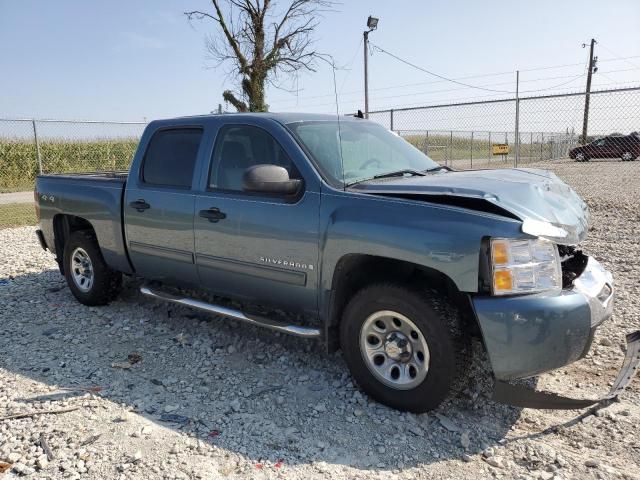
point(286, 117)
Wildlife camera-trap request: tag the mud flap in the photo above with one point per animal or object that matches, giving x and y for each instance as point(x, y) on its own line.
point(518, 396)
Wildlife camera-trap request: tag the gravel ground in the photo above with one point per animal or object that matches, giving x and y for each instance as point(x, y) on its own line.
point(155, 391)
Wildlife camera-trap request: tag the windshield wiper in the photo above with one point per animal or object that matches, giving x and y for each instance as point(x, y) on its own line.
point(400, 173)
point(397, 173)
point(438, 168)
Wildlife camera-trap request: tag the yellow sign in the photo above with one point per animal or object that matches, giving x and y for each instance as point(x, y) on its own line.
point(500, 149)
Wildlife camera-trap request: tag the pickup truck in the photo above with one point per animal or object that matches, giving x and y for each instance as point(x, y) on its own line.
point(385, 254)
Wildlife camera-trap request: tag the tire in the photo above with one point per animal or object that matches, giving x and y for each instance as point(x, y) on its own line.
point(581, 157)
point(628, 157)
point(423, 312)
point(90, 280)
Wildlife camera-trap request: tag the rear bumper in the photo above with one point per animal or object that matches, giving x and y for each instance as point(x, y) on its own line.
point(527, 335)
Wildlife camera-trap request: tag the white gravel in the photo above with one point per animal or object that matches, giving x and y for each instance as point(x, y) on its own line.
point(212, 399)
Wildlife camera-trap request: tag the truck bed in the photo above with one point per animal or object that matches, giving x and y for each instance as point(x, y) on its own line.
point(95, 197)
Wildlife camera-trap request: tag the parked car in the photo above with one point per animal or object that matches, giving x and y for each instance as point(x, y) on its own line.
point(626, 147)
point(389, 256)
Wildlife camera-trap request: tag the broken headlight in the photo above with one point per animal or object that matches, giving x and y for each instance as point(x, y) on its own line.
point(524, 266)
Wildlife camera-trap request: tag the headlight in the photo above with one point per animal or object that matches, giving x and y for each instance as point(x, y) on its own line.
point(524, 266)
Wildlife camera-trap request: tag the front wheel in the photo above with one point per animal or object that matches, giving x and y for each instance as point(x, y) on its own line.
point(90, 279)
point(628, 157)
point(581, 157)
point(404, 347)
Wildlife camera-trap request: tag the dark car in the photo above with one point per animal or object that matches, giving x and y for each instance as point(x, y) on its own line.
point(626, 147)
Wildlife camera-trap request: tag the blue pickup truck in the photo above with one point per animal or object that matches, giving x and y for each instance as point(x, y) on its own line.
point(384, 253)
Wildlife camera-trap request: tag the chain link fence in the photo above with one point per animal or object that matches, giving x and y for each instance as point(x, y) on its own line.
point(30, 147)
point(537, 132)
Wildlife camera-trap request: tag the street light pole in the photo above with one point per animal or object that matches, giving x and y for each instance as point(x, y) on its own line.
point(366, 74)
point(372, 24)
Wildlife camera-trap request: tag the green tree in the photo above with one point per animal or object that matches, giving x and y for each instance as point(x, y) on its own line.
point(261, 42)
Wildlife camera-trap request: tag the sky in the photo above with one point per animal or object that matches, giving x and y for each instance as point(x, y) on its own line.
point(142, 59)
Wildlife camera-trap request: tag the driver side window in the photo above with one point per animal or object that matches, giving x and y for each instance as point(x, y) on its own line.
point(239, 147)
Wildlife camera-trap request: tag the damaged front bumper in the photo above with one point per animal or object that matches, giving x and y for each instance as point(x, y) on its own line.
point(527, 335)
point(523, 397)
point(596, 285)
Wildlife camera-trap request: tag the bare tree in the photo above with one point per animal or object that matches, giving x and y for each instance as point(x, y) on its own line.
point(260, 41)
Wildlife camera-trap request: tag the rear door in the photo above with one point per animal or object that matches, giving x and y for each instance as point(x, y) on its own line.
point(159, 204)
point(262, 248)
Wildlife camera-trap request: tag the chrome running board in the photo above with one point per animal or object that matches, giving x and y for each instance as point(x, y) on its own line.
point(305, 332)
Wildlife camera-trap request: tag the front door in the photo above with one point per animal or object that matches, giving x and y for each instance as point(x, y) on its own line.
point(256, 247)
point(598, 149)
point(159, 206)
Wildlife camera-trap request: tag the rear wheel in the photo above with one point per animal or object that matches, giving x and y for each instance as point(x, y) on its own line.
point(404, 347)
point(628, 157)
point(90, 279)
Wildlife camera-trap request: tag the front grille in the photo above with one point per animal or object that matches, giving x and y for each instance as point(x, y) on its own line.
point(573, 264)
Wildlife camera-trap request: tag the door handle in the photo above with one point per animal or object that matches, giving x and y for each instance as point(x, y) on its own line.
point(213, 214)
point(140, 205)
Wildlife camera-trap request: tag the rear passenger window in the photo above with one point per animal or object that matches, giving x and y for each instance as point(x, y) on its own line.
point(171, 157)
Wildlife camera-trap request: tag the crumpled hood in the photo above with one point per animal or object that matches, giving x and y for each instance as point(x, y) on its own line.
point(532, 195)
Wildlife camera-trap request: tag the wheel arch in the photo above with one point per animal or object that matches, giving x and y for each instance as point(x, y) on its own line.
point(63, 226)
point(354, 272)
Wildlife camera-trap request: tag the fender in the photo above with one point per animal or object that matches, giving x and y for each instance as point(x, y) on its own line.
point(443, 238)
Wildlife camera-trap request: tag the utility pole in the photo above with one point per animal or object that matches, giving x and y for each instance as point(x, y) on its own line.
point(372, 24)
point(592, 70)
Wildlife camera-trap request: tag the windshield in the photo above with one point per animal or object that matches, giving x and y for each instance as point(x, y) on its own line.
point(368, 150)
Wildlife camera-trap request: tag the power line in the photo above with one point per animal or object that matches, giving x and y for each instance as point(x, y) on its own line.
point(550, 67)
point(618, 57)
point(390, 87)
point(355, 102)
point(457, 80)
point(406, 62)
point(455, 101)
point(348, 66)
point(575, 64)
point(413, 94)
point(494, 74)
point(477, 87)
point(431, 92)
point(555, 86)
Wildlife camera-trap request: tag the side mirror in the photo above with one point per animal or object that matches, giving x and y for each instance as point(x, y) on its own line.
point(269, 179)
